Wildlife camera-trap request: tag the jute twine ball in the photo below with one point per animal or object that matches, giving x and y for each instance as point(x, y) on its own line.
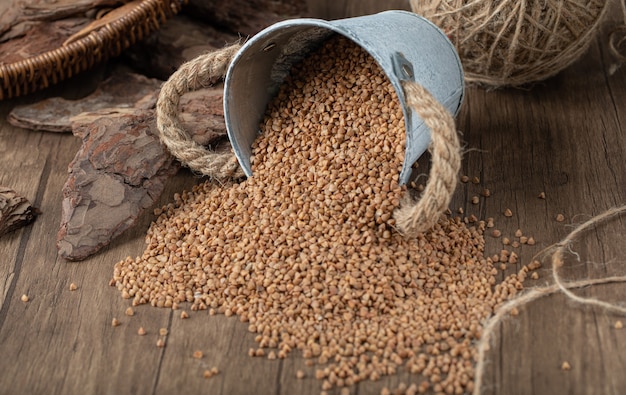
point(515, 42)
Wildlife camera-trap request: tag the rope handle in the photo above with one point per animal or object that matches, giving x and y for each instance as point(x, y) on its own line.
point(198, 73)
point(412, 217)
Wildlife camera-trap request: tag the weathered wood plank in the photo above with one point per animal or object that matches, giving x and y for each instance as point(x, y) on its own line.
point(66, 336)
point(23, 168)
point(224, 342)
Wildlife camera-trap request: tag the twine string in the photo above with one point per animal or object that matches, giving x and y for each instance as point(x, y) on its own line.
point(203, 71)
point(557, 259)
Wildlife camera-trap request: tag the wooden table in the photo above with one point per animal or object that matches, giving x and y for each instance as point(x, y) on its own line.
point(565, 137)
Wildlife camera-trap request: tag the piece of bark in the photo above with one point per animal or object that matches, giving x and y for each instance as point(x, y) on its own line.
point(18, 16)
point(202, 115)
point(245, 17)
point(18, 30)
point(179, 40)
point(38, 38)
point(121, 169)
point(9, 12)
point(42, 10)
point(205, 26)
point(15, 211)
point(120, 90)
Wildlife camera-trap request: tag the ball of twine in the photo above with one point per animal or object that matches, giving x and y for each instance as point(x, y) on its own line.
point(412, 217)
point(515, 42)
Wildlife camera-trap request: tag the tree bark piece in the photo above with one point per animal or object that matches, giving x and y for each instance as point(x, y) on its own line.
point(202, 115)
point(246, 17)
point(119, 171)
point(122, 167)
point(33, 38)
point(17, 12)
point(206, 25)
point(181, 39)
point(15, 211)
point(122, 89)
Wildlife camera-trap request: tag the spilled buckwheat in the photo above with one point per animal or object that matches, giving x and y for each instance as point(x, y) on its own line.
point(305, 251)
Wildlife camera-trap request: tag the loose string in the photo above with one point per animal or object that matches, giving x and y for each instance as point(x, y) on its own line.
point(414, 217)
point(565, 244)
point(559, 286)
point(203, 71)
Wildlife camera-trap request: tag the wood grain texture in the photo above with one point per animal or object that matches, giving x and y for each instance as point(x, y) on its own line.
point(566, 137)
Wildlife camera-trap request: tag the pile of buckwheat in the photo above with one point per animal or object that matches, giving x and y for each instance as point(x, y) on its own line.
point(305, 250)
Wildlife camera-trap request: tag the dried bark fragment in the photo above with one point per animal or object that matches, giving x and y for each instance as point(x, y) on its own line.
point(37, 37)
point(179, 40)
point(121, 169)
point(207, 25)
point(45, 10)
point(14, 13)
point(122, 89)
point(202, 115)
point(246, 17)
point(9, 12)
point(15, 211)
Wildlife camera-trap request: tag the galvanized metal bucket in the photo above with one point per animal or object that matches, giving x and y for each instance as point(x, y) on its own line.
point(405, 45)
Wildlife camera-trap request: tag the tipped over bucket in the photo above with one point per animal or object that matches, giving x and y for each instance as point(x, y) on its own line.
point(405, 45)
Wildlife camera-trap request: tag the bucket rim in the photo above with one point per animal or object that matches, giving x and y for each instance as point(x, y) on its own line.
point(337, 27)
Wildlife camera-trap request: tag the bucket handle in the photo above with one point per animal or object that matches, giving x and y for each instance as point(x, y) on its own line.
point(416, 216)
point(203, 71)
point(412, 216)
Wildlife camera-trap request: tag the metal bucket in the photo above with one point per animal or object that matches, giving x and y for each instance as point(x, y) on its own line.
point(405, 45)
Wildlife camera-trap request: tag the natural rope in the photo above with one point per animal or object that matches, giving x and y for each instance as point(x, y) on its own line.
point(536, 293)
point(200, 72)
point(414, 217)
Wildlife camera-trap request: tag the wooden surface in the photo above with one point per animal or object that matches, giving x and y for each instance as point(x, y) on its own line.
point(566, 137)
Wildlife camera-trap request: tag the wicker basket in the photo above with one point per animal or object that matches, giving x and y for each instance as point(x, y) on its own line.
point(81, 52)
